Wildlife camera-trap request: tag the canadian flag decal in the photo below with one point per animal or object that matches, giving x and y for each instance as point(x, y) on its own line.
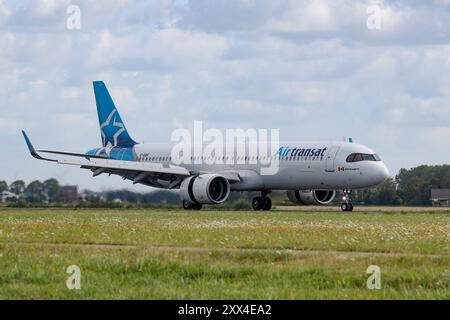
point(341, 168)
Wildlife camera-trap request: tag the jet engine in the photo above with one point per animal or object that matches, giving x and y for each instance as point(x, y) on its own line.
point(311, 197)
point(205, 189)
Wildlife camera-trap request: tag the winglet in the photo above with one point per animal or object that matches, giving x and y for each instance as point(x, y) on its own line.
point(29, 145)
point(31, 148)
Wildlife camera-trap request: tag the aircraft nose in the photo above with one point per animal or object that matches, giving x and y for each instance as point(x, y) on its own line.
point(384, 173)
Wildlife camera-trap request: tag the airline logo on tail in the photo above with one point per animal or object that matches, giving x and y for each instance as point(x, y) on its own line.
point(112, 128)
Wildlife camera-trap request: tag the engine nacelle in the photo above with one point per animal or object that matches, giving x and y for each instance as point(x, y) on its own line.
point(311, 197)
point(205, 189)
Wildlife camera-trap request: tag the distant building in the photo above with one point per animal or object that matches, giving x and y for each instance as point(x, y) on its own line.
point(7, 196)
point(440, 197)
point(68, 194)
point(93, 197)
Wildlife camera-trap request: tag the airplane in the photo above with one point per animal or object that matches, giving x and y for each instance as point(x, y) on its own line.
point(310, 172)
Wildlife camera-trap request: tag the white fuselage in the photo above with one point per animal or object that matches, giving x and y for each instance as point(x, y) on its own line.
point(326, 169)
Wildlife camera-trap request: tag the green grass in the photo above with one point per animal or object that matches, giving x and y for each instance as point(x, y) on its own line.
point(157, 254)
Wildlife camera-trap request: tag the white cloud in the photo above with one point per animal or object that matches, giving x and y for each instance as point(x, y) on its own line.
point(309, 16)
point(38, 83)
point(47, 7)
point(70, 92)
point(9, 126)
point(5, 11)
point(170, 47)
point(125, 99)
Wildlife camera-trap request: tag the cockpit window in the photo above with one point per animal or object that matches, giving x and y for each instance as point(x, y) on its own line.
point(356, 157)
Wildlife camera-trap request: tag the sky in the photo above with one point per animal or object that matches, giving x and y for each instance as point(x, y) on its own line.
point(315, 70)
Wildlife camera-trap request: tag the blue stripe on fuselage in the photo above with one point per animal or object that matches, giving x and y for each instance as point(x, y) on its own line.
point(116, 153)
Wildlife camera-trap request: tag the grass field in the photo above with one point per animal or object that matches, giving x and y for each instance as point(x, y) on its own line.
point(157, 254)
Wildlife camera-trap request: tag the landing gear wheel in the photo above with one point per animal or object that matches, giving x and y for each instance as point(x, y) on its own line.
point(267, 204)
point(191, 206)
point(198, 206)
point(257, 203)
point(347, 204)
point(187, 205)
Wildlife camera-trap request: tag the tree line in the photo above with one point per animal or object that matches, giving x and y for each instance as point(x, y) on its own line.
point(409, 187)
point(49, 191)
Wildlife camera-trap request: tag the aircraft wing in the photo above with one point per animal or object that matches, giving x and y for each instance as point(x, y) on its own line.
point(153, 174)
point(148, 173)
point(133, 166)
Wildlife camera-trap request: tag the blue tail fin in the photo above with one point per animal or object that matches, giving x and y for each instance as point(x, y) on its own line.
point(113, 130)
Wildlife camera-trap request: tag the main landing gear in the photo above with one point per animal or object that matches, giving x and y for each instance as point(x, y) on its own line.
point(346, 204)
point(263, 202)
point(191, 206)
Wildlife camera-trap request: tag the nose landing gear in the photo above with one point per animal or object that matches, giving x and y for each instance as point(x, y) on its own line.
point(347, 204)
point(262, 203)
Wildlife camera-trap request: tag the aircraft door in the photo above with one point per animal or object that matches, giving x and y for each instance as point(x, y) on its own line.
point(331, 157)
